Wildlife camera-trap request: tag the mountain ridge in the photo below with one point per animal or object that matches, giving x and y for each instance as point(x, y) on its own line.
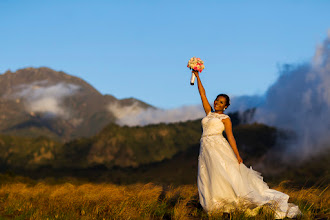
point(42, 101)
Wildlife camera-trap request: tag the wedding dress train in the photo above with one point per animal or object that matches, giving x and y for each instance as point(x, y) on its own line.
point(223, 183)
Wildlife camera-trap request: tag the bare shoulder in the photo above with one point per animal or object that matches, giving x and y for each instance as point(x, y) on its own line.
point(226, 120)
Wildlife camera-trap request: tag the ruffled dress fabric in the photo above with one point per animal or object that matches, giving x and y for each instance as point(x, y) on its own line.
point(224, 184)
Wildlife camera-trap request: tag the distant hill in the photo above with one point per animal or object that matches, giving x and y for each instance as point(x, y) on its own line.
point(43, 102)
point(125, 147)
point(163, 153)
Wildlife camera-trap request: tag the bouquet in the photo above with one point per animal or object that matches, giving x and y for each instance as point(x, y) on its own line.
point(195, 64)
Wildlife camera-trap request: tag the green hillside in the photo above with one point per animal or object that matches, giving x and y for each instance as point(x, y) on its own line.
point(162, 153)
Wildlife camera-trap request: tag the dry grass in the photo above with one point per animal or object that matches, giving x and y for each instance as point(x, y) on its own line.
point(20, 199)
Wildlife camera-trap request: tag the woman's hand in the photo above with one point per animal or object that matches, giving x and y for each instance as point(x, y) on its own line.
point(195, 72)
point(240, 160)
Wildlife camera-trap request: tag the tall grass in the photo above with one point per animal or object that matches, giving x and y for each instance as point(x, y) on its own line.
point(22, 198)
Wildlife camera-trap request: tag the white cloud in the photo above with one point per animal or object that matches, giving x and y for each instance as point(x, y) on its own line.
point(40, 97)
point(134, 115)
point(299, 101)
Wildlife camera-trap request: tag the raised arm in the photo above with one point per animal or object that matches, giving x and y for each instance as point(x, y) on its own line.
point(231, 139)
point(206, 104)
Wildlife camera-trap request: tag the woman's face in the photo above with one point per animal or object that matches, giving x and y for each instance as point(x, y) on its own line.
point(220, 103)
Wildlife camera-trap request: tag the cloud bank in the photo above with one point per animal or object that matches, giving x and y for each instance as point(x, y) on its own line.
point(39, 97)
point(299, 101)
point(133, 115)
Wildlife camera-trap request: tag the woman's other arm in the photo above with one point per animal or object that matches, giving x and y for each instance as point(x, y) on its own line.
point(231, 139)
point(206, 104)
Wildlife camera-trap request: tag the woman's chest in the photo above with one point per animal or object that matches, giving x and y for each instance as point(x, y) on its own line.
point(212, 124)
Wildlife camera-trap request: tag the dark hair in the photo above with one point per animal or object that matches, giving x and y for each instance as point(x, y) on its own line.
point(227, 99)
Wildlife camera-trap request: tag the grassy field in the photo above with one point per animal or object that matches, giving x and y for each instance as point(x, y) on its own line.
point(69, 198)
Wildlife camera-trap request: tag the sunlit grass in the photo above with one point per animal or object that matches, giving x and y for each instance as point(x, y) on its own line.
point(22, 198)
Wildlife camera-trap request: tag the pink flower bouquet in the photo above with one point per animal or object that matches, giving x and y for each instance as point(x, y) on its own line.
point(195, 64)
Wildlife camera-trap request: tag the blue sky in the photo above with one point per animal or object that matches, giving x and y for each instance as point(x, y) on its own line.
point(140, 48)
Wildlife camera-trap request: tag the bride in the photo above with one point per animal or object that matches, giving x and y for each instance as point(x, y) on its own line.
point(224, 182)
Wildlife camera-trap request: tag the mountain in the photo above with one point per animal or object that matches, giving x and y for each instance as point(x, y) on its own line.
point(54, 124)
point(44, 102)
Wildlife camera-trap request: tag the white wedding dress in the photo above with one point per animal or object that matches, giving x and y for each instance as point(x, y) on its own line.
point(224, 184)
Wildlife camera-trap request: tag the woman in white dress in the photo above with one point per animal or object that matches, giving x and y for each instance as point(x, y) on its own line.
point(224, 182)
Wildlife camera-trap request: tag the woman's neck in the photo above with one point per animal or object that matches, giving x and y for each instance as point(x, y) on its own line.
point(219, 112)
